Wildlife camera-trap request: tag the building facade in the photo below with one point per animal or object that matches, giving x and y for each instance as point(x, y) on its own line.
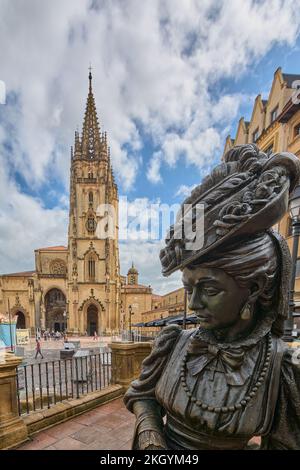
point(76, 287)
point(135, 298)
point(275, 127)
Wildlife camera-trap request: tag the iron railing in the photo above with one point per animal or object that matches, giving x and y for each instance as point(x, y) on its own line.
point(42, 385)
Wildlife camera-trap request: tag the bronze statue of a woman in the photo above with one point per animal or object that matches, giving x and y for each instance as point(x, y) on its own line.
point(232, 378)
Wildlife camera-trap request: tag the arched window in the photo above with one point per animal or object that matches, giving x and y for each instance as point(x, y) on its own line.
point(91, 197)
point(91, 268)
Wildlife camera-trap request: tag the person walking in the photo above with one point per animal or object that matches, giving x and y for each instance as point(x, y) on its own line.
point(38, 348)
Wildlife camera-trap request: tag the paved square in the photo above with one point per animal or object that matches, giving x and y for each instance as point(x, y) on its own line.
point(109, 427)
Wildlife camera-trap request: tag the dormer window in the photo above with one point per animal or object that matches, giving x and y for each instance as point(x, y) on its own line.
point(274, 114)
point(255, 135)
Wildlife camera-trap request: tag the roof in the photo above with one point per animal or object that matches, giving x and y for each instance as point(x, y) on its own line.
point(288, 111)
point(53, 248)
point(24, 273)
point(289, 78)
point(135, 286)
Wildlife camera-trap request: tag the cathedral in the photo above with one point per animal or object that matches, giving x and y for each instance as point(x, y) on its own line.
point(76, 287)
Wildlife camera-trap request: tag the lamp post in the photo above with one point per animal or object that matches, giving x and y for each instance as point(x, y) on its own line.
point(130, 313)
point(184, 311)
point(65, 319)
point(295, 217)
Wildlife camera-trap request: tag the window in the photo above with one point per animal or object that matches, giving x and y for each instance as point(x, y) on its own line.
point(297, 130)
point(269, 150)
point(298, 268)
point(255, 135)
point(289, 227)
point(91, 197)
point(91, 268)
point(274, 114)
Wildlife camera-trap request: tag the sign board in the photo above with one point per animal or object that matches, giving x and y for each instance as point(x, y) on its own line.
point(8, 334)
point(23, 337)
point(82, 367)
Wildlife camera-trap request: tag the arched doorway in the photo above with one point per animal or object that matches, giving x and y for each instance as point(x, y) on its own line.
point(92, 320)
point(21, 322)
point(55, 305)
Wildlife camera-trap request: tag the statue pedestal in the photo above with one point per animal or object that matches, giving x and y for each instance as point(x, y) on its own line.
point(127, 358)
point(13, 431)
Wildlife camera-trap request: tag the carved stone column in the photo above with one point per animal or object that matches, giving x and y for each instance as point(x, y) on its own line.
point(126, 361)
point(13, 431)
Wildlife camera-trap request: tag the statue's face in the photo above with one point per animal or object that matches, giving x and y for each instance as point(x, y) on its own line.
point(214, 296)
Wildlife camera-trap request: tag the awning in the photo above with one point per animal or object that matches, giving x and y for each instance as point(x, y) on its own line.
point(150, 323)
point(190, 319)
point(161, 321)
point(171, 320)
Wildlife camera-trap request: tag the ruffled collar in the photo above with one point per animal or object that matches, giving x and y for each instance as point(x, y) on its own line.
point(261, 329)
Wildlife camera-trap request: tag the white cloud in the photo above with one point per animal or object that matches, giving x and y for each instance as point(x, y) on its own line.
point(142, 246)
point(153, 172)
point(185, 190)
point(25, 225)
point(145, 256)
point(154, 63)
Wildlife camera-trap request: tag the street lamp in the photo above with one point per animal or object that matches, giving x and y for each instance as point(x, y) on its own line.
point(66, 318)
point(130, 313)
point(295, 217)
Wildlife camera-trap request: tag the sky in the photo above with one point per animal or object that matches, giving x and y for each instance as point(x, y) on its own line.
point(171, 78)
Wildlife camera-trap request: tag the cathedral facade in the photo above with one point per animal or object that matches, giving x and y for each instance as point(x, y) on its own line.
point(76, 288)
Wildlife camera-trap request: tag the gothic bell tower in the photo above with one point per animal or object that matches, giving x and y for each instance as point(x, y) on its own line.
point(93, 266)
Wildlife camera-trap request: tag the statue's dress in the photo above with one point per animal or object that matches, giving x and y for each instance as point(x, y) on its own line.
point(213, 379)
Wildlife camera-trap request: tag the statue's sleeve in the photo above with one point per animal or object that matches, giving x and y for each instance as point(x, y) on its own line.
point(144, 387)
point(285, 431)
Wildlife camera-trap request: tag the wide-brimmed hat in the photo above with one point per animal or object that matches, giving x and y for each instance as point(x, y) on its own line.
point(246, 194)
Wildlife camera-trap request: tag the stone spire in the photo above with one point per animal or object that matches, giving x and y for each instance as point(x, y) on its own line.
point(92, 146)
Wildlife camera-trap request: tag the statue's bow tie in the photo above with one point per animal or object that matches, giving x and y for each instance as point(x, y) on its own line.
point(230, 360)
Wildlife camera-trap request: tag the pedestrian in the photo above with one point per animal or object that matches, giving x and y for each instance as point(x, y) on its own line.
point(38, 349)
